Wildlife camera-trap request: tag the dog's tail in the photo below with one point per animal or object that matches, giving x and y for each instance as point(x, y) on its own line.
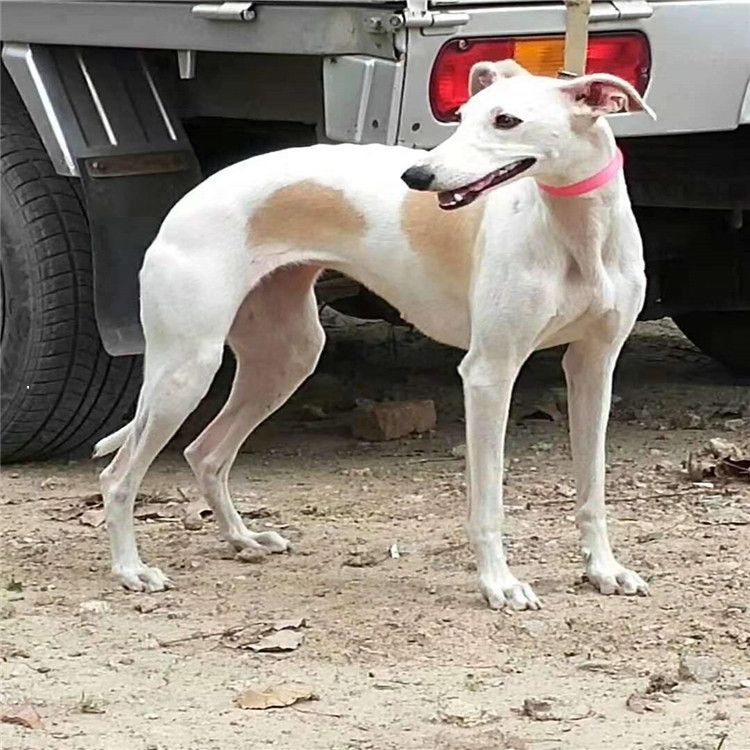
point(112, 442)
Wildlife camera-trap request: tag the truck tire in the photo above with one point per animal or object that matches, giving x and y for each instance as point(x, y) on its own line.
point(723, 335)
point(60, 391)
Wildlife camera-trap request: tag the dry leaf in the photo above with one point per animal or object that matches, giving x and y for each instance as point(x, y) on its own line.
point(718, 459)
point(261, 511)
point(25, 716)
point(274, 697)
point(196, 511)
point(735, 467)
point(291, 624)
point(79, 505)
point(281, 640)
point(548, 412)
point(94, 517)
point(66, 514)
point(156, 511)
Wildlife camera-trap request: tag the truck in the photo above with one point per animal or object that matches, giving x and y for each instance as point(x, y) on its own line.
point(113, 109)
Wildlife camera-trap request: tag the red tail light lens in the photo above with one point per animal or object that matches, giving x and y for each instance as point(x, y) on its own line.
point(625, 55)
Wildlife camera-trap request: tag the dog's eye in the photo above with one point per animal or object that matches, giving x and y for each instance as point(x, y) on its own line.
point(506, 122)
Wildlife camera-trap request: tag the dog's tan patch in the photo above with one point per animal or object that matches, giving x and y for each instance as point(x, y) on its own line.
point(446, 240)
point(307, 214)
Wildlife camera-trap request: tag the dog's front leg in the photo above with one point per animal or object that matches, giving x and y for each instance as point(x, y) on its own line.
point(487, 399)
point(589, 366)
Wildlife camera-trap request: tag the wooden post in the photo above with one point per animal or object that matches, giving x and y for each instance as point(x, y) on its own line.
point(577, 14)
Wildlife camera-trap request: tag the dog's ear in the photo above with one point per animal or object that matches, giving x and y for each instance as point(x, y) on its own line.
point(603, 94)
point(484, 74)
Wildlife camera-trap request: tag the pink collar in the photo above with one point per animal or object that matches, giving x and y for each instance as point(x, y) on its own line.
point(590, 183)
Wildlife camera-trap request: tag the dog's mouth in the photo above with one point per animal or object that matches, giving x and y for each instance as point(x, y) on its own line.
point(450, 199)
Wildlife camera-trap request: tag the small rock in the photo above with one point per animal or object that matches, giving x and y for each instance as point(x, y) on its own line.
point(734, 425)
point(459, 451)
point(699, 668)
point(25, 716)
point(660, 683)
point(394, 419)
point(94, 607)
point(689, 421)
point(312, 412)
point(363, 558)
point(7, 610)
point(560, 398)
point(729, 516)
point(542, 447)
point(249, 555)
point(554, 709)
point(565, 490)
point(720, 448)
point(512, 742)
point(194, 514)
point(460, 713)
point(641, 704)
point(534, 628)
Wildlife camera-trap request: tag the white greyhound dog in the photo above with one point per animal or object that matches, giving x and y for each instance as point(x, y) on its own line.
point(553, 258)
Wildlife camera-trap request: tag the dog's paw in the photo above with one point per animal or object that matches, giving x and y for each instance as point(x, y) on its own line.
point(142, 578)
point(510, 593)
point(264, 541)
point(616, 580)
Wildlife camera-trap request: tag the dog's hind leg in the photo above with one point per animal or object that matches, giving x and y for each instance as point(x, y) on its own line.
point(187, 310)
point(277, 340)
point(185, 377)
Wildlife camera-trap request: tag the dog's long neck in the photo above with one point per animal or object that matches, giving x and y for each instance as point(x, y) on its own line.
point(584, 223)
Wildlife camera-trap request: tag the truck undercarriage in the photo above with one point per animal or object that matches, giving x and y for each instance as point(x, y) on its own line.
point(112, 110)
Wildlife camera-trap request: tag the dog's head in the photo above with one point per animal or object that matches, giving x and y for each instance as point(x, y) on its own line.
point(516, 124)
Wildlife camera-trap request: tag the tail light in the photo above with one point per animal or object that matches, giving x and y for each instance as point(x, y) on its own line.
point(625, 55)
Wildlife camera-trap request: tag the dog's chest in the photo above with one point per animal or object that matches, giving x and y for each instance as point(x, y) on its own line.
point(590, 302)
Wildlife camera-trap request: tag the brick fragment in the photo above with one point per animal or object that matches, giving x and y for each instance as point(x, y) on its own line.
point(394, 419)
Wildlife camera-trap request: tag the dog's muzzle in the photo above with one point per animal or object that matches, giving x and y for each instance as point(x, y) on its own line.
point(418, 178)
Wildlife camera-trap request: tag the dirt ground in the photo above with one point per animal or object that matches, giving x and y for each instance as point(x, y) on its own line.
point(401, 652)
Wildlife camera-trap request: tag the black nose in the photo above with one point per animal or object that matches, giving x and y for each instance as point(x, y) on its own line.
point(418, 178)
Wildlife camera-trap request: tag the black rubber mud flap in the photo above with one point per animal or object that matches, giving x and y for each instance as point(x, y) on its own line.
point(103, 117)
